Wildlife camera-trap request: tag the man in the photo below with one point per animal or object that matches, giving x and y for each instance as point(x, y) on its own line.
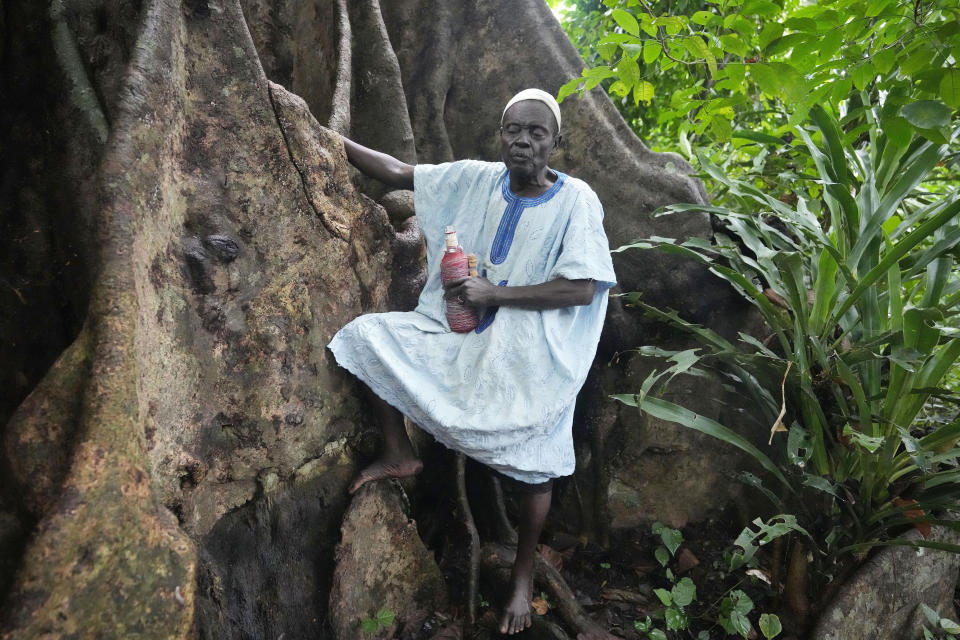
point(504, 393)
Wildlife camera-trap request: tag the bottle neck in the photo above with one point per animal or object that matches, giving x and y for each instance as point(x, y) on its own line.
point(451, 240)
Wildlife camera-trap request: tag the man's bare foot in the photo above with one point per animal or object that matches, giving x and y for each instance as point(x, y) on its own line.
point(516, 612)
point(387, 468)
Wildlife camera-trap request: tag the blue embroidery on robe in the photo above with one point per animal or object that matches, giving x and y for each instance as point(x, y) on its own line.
point(511, 217)
point(491, 312)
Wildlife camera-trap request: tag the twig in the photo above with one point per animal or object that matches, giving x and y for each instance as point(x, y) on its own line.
point(467, 516)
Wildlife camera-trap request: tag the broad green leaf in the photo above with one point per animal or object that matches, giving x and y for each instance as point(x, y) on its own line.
point(740, 623)
point(642, 92)
point(662, 556)
point(386, 617)
point(829, 45)
point(950, 88)
point(696, 46)
point(926, 114)
point(770, 32)
point(762, 8)
point(671, 538)
point(721, 129)
point(704, 17)
point(766, 78)
point(949, 625)
point(734, 45)
point(675, 618)
point(651, 51)
point(770, 625)
point(568, 88)
point(658, 634)
point(369, 625)
point(884, 60)
point(628, 71)
point(608, 50)
point(664, 596)
point(898, 131)
point(862, 75)
point(626, 21)
point(684, 592)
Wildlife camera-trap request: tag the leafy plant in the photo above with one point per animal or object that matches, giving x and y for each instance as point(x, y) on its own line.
point(942, 627)
point(857, 286)
point(682, 70)
point(382, 619)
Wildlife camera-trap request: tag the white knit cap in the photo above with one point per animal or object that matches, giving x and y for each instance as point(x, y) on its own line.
point(535, 94)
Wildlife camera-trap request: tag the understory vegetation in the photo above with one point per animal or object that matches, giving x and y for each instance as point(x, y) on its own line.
point(827, 135)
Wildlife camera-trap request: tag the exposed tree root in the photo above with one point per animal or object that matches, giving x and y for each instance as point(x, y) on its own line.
point(466, 515)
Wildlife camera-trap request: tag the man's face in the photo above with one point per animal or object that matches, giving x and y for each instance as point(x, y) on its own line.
point(527, 137)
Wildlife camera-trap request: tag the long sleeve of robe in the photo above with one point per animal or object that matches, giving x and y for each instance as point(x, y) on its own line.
point(504, 393)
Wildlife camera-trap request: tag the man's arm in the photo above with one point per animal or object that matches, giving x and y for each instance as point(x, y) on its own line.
point(381, 166)
point(555, 294)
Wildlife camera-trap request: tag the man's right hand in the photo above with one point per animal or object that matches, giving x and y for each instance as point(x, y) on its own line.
point(380, 166)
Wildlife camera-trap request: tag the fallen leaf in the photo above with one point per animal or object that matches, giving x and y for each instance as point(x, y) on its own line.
point(540, 606)
point(760, 574)
point(551, 555)
point(686, 560)
point(911, 514)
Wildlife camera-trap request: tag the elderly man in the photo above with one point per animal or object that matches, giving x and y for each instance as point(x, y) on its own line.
point(504, 393)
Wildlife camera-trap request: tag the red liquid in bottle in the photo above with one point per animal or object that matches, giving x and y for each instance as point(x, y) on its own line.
point(460, 317)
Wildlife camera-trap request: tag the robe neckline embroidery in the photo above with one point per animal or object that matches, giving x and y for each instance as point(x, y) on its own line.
point(511, 217)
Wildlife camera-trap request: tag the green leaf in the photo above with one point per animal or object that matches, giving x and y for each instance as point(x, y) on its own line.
point(766, 78)
point(829, 45)
point(658, 634)
point(762, 8)
point(926, 114)
point(931, 615)
point(862, 75)
point(386, 617)
point(369, 625)
point(949, 625)
point(899, 131)
point(568, 88)
point(626, 21)
point(740, 623)
point(651, 51)
point(628, 71)
point(950, 87)
point(672, 538)
point(684, 592)
point(662, 556)
point(676, 619)
point(721, 129)
point(884, 60)
point(704, 17)
point(770, 625)
point(642, 92)
point(770, 32)
point(730, 42)
point(665, 597)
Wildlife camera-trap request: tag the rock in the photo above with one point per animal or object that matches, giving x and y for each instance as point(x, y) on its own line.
point(398, 205)
point(382, 564)
point(882, 600)
point(654, 461)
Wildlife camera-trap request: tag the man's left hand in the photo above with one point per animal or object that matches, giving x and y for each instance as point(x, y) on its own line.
point(471, 291)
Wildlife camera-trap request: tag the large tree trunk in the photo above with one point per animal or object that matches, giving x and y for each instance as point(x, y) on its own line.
point(180, 240)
